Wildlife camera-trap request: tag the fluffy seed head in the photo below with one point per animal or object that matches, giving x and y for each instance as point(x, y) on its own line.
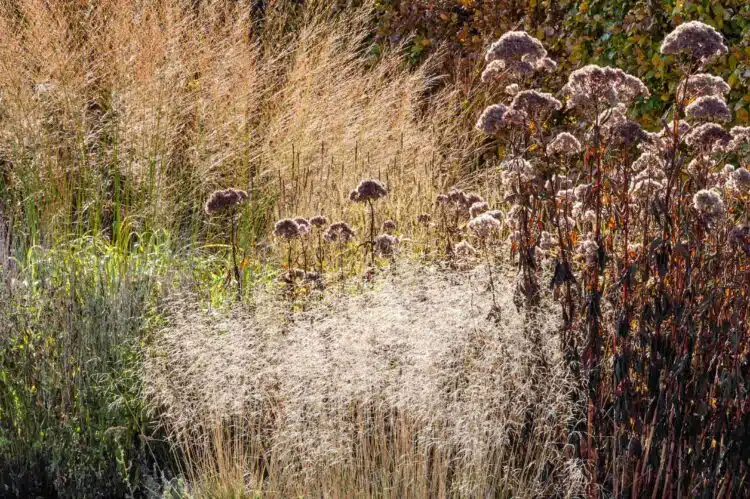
point(591, 84)
point(389, 225)
point(369, 190)
point(564, 144)
point(694, 40)
point(708, 203)
point(708, 137)
point(739, 180)
point(484, 225)
point(546, 64)
point(478, 208)
point(221, 200)
point(319, 221)
point(385, 244)
point(740, 137)
point(287, 229)
point(515, 46)
point(702, 84)
point(304, 225)
point(589, 250)
point(465, 249)
point(536, 104)
point(491, 121)
point(512, 89)
point(339, 232)
point(424, 218)
point(709, 108)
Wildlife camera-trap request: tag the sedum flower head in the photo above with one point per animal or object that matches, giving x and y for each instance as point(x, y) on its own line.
point(694, 40)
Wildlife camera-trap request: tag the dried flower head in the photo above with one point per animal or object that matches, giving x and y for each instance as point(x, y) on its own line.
point(389, 226)
point(683, 127)
point(515, 46)
point(695, 40)
point(564, 144)
point(546, 241)
point(304, 226)
point(442, 199)
point(491, 121)
point(221, 200)
point(740, 137)
point(512, 89)
point(385, 244)
point(471, 198)
point(369, 190)
point(739, 181)
point(537, 105)
point(644, 189)
point(424, 218)
point(484, 225)
point(591, 84)
point(709, 108)
point(339, 232)
point(546, 64)
point(478, 208)
point(708, 137)
point(496, 214)
point(708, 203)
point(739, 237)
point(319, 221)
point(557, 183)
point(465, 249)
point(623, 133)
point(286, 228)
point(589, 250)
point(354, 195)
point(702, 84)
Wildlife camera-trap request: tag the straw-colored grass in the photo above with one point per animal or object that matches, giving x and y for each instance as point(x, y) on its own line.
point(405, 389)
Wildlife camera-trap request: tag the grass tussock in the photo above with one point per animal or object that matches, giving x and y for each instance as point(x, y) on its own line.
point(403, 390)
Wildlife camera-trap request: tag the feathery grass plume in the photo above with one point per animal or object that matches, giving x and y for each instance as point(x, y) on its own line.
point(515, 46)
point(701, 84)
point(385, 245)
point(491, 121)
point(708, 137)
point(740, 137)
point(694, 40)
point(223, 199)
point(319, 221)
point(739, 180)
point(709, 108)
point(565, 144)
point(389, 226)
point(535, 104)
point(708, 203)
point(478, 208)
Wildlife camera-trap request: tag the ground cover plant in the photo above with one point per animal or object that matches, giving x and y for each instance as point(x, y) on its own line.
point(248, 250)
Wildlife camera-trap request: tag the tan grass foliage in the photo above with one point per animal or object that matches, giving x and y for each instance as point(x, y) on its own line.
point(405, 389)
point(177, 99)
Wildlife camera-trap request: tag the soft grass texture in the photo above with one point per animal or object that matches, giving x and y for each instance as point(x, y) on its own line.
point(120, 109)
point(404, 389)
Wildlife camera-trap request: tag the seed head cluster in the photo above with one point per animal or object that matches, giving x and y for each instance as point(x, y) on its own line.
point(694, 40)
point(221, 200)
point(709, 108)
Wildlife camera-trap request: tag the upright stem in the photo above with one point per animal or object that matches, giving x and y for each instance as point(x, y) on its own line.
point(234, 253)
point(372, 232)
